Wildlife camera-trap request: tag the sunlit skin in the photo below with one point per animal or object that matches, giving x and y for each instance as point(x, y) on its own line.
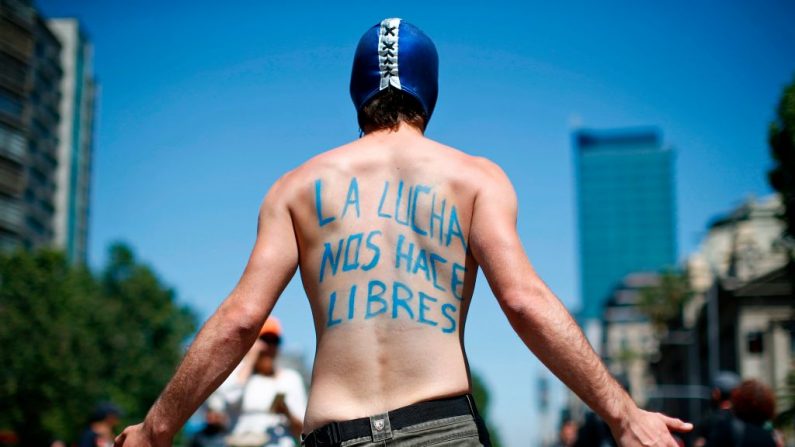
point(383, 346)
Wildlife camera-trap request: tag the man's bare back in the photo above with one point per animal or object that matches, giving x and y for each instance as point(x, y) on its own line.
point(382, 226)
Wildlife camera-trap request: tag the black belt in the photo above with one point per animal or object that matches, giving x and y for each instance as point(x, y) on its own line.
point(337, 432)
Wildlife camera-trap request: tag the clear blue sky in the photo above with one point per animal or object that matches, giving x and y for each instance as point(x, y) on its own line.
point(204, 104)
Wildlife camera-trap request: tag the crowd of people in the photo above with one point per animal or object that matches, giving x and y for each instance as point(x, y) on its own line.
point(741, 415)
point(262, 405)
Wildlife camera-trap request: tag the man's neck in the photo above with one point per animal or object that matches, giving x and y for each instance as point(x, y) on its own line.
point(403, 131)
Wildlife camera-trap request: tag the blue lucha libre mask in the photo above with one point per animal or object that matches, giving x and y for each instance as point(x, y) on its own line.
point(397, 54)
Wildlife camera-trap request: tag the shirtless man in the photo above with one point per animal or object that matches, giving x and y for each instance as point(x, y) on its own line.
point(388, 232)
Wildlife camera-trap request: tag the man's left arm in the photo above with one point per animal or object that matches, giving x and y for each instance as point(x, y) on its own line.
point(231, 330)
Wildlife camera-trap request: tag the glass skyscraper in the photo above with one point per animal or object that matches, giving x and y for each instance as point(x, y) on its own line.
point(626, 209)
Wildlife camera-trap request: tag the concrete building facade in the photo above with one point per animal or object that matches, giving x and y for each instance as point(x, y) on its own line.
point(47, 102)
point(30, 77)
point(742, 270)
point(76, 130)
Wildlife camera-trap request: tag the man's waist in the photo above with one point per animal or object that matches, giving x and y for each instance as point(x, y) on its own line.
point(342, 394)
point(336, 432)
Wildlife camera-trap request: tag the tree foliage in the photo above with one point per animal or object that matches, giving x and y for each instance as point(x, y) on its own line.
point(782, 147)
point(71, 339)
point(663, 302)
point(786, 403)
point(480, 393)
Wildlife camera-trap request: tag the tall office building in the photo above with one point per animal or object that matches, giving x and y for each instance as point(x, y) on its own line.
point(626, 210)
point(30, 77)
point(76, 130)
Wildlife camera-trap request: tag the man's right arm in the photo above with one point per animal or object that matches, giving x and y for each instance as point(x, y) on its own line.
point(544, 324)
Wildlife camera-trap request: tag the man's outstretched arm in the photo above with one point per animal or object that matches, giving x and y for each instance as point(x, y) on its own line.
point(544, 324)
point(231, 330)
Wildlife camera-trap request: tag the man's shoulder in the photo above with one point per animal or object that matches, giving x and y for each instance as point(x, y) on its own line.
point(310, 169)
point(291, 182)
point(471, 162)
point(492, 178)
point(463, 156)
point(464, 167)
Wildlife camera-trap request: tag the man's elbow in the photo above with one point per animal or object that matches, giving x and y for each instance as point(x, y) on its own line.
point(521, 302)
point(238, 323)
point(533, 306)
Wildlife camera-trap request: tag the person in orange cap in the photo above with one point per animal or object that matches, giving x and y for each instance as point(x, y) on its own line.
point(267, 402)
point(272, 326)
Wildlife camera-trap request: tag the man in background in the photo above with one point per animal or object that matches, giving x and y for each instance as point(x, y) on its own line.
point(101, 425)
point(718, 423)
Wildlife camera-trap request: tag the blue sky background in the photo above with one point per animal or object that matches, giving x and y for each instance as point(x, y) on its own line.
point(204, 104)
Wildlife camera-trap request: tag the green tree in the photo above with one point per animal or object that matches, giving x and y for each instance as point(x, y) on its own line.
point(663, 302)
point(70, 339)
point(482, 399)
point(782, 147)
point(786, 403)
point(143, 334)
point(46, 311)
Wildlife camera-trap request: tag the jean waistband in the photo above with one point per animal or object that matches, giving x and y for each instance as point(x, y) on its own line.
point(380, 426)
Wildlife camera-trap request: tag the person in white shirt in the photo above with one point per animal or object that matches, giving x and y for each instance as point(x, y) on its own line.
point(266, 403)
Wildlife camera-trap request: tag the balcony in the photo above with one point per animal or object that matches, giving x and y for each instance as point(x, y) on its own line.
point(12, 215)
point(12, 179)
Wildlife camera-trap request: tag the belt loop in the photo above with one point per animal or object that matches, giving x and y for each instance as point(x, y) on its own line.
point(328, 435)
point(335, 433)
point(380, 427)
point(471, 405)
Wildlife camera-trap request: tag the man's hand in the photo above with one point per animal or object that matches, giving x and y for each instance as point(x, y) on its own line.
point(280, 407)
point(139, 436)
point(643, 428)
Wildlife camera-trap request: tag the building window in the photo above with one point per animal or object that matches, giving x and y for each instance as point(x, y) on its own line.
point(37, 175)
point(756, 343)
point(30, 197)
point(12, 143)
point(792, 339)
point(13, 70)
point(10, 104)
point(11, 214)
point(8, 242)
point(36, 225)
